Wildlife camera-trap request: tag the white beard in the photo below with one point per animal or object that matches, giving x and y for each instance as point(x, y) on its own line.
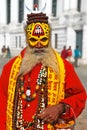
point(31, 58)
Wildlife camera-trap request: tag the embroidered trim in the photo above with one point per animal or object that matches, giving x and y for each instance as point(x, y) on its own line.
point(11, 91)
point(56, 85)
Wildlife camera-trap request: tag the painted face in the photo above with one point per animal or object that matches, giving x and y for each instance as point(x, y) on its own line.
point(37, 33)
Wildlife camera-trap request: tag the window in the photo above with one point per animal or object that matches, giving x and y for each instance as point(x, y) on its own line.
point(54, 6)
point(21, 10)
point(16, 41)
point(56, 37)
point(20, 41)
point(8, 11)
point(79, 37)
point(79, 5)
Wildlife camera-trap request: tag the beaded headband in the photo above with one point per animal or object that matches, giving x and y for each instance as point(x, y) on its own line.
point(37, 17)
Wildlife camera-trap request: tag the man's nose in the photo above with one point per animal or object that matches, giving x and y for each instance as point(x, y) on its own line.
point(39, 45)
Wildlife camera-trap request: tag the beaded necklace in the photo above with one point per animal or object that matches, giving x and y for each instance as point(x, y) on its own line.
point(41, 90)
point(27, 96)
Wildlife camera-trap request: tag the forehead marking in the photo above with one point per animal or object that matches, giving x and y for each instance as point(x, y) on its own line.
point(38, 30)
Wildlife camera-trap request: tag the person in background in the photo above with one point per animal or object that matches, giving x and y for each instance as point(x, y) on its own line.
point(64, 53)
point(69, 54)
point(77, 55)
point(8, 52)
point(39, 89)
point(4, 51)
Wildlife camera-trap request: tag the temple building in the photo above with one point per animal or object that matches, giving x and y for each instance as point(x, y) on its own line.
point(68, 19)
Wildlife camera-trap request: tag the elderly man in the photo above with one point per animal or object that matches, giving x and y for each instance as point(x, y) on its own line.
point(39, 90)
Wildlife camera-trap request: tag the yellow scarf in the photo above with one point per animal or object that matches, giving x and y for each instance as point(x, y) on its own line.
point(55, 88)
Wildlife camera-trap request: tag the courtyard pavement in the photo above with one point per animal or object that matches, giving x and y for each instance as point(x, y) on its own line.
point(81, 122)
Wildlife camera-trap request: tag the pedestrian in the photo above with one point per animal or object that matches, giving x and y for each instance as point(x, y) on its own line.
point(8, 52)
point(4, 51)
point(69, 53)
point(64, 53)
point(41, 90)
point(77, 55)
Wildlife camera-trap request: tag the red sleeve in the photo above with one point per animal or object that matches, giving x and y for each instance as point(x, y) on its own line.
point(3, 94)
point(75, 92)
point(2, 108)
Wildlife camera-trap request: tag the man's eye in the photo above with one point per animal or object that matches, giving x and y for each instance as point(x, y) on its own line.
point(33, 40)
point(44, 39)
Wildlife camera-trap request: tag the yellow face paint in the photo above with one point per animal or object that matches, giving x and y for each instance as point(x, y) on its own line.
point(37, 32)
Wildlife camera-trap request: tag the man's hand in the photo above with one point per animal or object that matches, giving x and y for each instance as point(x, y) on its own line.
point(52, 113)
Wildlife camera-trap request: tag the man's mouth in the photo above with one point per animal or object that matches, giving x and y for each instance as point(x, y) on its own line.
point(38, 51)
